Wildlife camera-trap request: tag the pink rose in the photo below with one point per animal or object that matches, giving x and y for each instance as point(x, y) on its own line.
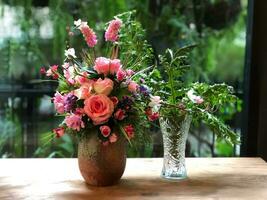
point(59, 131)
point(84, 91)
point(103, 86)
point(102, 65)
point(133, 86)
point(119, 114)
point(114, 100)
point(105, 130)
point(99, 108)
point(82, 79)
point(114, 66)
point(106, 66)
point(74, 122)
point(113, 138)
point(121, 74)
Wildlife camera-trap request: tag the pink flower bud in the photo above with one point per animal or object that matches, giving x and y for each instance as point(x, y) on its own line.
point(105, 130)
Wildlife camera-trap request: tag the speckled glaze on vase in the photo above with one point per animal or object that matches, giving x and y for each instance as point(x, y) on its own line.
point(101, 165)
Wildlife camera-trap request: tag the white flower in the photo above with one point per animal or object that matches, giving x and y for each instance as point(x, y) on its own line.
point(69, 74)
point(78, 23)
point(49, 72)
point(155, 101)
point(70, 53)
point(194, 98)
point(66, 65)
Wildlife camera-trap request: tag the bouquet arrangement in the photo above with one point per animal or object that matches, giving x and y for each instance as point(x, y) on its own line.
point(111, 96)
point(102, 92)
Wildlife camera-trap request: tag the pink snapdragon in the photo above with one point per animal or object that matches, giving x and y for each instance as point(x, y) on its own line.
point(74, 122)
point(88, 33)
point(112, 32)
point(58, 100)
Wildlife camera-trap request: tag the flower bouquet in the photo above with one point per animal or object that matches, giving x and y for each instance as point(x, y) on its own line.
point(99, 98)
point(107, 101)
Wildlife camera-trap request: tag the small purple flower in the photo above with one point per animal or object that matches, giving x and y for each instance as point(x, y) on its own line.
point(142, 80)
point(144, 90)
point(126, 102)
point(69, 102)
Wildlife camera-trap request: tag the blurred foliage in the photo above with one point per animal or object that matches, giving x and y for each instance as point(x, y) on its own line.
point(36, 31)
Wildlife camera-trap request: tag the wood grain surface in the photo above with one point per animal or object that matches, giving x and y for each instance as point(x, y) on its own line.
point(209, 178)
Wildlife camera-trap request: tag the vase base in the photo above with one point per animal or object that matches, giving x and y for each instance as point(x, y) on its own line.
point(174, 176)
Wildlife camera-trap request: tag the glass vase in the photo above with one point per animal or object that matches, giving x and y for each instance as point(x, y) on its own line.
point(175, 133)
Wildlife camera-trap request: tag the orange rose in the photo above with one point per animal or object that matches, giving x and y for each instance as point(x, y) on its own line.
point(103, 86)
point(99, 108)
point(84, 91)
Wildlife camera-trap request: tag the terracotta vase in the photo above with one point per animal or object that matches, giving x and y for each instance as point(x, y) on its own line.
point(101, 165)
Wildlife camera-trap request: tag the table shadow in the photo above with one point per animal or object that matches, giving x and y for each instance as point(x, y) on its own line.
point(156, 187)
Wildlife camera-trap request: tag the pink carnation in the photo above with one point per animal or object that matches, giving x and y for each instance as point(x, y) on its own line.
point(69, 74)
point(58, 100)
point(88, 34)
point(74, 122)
point(129, 129)
point(112, 32)
point(129, 72)
point(133, 86)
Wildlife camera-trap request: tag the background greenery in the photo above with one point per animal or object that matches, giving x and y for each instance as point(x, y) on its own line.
point(34, 33)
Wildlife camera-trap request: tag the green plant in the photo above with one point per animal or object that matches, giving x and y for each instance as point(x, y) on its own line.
point(200, 100)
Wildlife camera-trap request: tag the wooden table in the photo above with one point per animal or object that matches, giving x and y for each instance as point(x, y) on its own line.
point(209, 178)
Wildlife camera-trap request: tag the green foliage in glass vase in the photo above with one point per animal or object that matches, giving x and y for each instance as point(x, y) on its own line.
point(200, 100)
